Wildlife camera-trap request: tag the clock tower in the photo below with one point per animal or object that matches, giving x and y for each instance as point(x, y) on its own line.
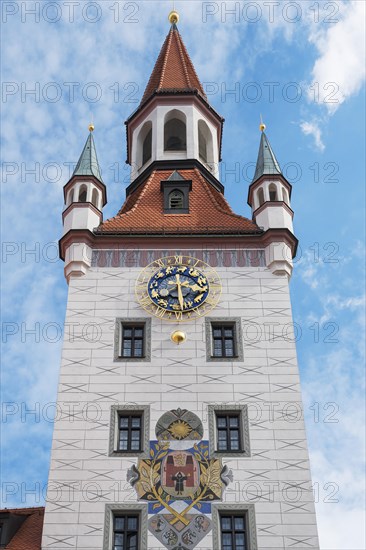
point(179, 417)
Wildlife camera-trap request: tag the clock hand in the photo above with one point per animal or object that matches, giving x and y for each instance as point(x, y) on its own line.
point(180, 295)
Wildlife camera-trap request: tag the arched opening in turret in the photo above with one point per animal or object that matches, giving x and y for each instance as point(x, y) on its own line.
point(272, 192)
point(175, 131)
point(205, 143)
point(95, 198)
point(176, 200)
point(70, 197)
point(144, 144)
point(285, 196)
point(260, 196)
point(83, 193)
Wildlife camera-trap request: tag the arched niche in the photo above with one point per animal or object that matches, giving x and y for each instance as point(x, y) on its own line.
point(205, 143)
point(175, 131)
point(83, 191)
point(144, 144)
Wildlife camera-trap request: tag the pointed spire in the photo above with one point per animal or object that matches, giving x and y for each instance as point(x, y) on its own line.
point(88, 162)
point(267, 163)
point(174, 70)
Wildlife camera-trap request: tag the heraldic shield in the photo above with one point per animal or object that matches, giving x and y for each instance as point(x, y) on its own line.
point(179, 481)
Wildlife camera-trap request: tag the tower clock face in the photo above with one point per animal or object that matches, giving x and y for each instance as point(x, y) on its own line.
point(178, 288)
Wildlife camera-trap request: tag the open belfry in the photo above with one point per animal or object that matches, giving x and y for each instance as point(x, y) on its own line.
point(179, 420)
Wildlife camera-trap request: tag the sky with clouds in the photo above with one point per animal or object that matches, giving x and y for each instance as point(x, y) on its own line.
point(299, 64)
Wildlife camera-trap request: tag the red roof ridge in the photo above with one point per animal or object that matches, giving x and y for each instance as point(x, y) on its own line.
point(167, 49)
point(181, 51)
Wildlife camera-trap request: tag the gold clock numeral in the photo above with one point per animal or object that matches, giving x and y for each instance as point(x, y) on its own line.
point(178, 259)
point(160, 312)
point(178, 315)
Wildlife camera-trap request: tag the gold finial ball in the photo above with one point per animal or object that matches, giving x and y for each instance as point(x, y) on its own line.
point(262, 127)
point(91, 127)
point(173, 17)
point(178, 337)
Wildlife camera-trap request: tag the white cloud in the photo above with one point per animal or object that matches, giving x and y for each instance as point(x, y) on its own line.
point(339, 71)
point(313, 129)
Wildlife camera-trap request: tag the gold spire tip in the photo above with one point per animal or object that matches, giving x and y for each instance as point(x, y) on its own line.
point(262, 126)
point(91, 127)
point(173, 17)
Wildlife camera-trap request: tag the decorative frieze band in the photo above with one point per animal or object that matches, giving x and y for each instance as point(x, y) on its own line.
point(216, 258)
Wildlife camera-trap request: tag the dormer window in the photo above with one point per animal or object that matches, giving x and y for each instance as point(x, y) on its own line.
point(176, 194)
point(176, 200)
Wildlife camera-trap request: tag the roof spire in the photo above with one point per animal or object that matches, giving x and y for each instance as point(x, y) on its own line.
point(267, 164)
point(88, 162)
point(262, 126)
point(173, 16)
point(173, 71)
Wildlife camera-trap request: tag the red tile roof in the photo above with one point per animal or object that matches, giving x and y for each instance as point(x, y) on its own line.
point(29, 535)
point(174, 70)
point(209, 212)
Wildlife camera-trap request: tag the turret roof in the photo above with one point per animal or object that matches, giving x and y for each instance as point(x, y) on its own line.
point(174, 70)
point(267, 163)
point(88, 162)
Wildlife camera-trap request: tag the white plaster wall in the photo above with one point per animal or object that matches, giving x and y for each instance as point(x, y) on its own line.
point(91, 382)
point(157, 116)
point(274, 217)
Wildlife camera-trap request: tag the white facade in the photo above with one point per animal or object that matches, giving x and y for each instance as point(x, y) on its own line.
point(196, 120)
point(275, 478)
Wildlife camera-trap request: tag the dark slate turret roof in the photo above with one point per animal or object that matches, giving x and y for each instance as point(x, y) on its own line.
point(267, 163)
point(88, 162)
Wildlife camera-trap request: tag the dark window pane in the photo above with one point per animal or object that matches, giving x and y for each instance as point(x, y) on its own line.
point(221, 421)
point(226, 524)
point(239, 524)
point(234, 421)
point(118, 539)
point(127, 353)
point(228, 332)
point(119, 523)
point(222, 446)
point(139, 332)
point(132, 523)
point(123, 422)
point(127, 344)
point(136, 421)
point(234, 435)
point(127, 332)
point(217, 332)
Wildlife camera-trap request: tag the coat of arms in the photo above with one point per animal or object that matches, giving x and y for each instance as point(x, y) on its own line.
point(179, 481)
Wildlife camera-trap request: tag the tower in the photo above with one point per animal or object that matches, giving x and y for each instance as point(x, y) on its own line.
point(179, 420)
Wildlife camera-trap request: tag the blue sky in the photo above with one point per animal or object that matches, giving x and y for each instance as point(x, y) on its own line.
point(305, 63)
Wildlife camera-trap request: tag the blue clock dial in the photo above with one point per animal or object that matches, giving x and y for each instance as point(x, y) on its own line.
point(178, 288)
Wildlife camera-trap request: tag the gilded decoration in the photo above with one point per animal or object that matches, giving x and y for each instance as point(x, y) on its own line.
point(179, 481)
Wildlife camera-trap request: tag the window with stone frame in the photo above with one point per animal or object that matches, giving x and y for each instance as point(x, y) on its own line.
point(224, 340)
point(125, 527)
point(130, 431)
point(132, 340)
point(126, 532)
point(229, 430)
point(233, 530)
